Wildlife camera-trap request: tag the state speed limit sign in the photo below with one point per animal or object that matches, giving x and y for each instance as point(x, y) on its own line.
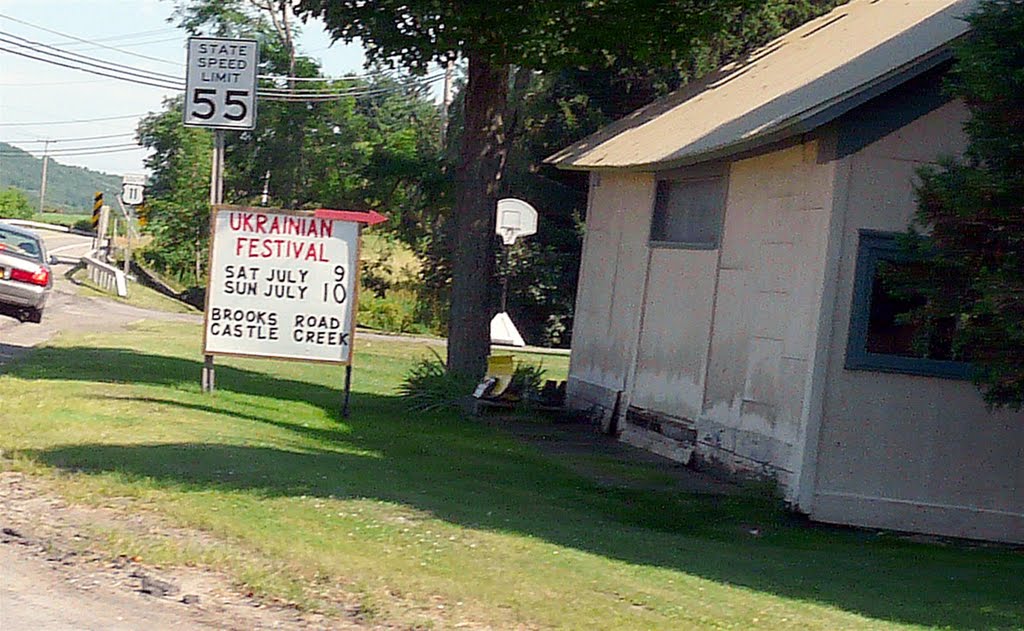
point(220, 83)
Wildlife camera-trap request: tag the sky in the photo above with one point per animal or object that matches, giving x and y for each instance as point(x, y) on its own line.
point(40, 101)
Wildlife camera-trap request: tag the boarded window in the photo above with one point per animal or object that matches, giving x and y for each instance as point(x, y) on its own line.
point(882, 337)
point(688, 212)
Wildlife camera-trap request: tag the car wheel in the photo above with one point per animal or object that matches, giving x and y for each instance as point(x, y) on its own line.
point(33, 315)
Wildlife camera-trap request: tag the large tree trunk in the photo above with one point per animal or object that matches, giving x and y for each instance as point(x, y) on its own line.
point(481, 162)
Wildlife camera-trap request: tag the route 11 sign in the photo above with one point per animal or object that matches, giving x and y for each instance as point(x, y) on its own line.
point(133, 188)
point(220, 83)
point(282, 285)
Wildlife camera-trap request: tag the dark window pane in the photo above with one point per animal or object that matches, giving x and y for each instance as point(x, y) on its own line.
point(689, 211)
point(21, 245)
point(892, 327)
point(891, 330)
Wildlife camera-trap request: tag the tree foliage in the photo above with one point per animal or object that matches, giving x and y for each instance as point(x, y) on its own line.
point(492, 37)
point(14, 204)
point(551, 110)
point(375, 148)
point(973, 208)
point(179, 193)
point(539, 34)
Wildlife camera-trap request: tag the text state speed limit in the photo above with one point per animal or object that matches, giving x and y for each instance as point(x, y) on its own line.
point(220, 83)
point(281, 285)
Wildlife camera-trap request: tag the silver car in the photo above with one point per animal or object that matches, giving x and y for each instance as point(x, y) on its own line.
point(25, 275)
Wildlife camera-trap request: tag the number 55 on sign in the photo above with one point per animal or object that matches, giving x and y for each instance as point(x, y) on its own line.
point(220, 83)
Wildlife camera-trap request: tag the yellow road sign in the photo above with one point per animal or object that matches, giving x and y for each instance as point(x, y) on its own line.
point(97, 204)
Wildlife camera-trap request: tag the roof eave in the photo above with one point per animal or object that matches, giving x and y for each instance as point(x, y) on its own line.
point(802, 123)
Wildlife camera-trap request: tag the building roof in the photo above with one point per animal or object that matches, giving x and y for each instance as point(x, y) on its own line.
point(794, 84)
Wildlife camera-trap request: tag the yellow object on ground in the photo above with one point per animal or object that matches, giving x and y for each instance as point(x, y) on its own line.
point(499, 367)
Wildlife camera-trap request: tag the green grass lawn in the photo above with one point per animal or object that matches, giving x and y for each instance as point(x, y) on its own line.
point(138, 295)
point(436, 521)
point(63, 219)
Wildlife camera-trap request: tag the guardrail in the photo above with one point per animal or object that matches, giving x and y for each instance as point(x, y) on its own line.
point(104, 275)
point(39, 225)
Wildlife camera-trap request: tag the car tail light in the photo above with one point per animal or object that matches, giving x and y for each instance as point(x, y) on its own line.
point(40, 277)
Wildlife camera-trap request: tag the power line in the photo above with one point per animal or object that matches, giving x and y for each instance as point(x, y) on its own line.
point(80, 139)
point(96, 42)
point(298, 95)
point(365, 75)
point(95, 72)
point(86, 41)
point(124, 146)
point(135, 44)
point(73, 155)
point(75, 149)
point(60, 53)
point(121, 37)
point(33, 84)
point(270, 94)
point(73, 121)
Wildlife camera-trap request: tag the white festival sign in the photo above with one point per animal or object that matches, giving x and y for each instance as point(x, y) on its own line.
point(282, 284)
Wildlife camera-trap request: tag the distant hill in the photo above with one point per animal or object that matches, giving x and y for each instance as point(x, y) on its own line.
point(68, 188)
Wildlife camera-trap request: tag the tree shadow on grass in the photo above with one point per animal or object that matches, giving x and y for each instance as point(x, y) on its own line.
point(474, 476)
point(120, 365)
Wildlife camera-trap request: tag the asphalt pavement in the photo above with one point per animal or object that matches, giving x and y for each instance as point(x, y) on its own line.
point(66, 310)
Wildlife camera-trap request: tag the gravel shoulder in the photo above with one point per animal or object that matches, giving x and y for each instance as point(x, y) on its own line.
point(55, 576)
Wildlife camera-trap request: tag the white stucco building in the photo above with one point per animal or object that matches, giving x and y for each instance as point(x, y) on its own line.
point(730, 307)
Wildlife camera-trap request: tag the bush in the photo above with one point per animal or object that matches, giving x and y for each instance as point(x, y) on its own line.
point(527, 379)
point(14, 204)
point(395, 312)
point(83, 225)
point(429, 386)
point(971, 209)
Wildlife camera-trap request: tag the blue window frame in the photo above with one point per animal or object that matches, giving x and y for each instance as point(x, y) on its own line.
point(877, 340)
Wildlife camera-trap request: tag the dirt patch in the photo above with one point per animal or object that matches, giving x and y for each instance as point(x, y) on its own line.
point(609, 461)
point(56, 574)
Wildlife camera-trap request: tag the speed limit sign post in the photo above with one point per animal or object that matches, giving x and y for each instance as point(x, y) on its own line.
point(220, 83)
point(220, 94)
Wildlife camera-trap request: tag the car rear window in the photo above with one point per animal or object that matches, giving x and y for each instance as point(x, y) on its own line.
point(19, 244)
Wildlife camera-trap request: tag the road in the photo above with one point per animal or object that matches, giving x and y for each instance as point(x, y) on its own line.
point(64, 244)
point(66, 310)
point(54, 603)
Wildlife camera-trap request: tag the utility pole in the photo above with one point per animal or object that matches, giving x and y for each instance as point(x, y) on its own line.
point(42, 185)
point(446, 100)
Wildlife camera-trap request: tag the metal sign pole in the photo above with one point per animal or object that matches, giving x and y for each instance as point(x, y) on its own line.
point(127, 247)
point(348, 390)
point(216, 198)
point(506, 263)
point(113, 238)
point(127, 235)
